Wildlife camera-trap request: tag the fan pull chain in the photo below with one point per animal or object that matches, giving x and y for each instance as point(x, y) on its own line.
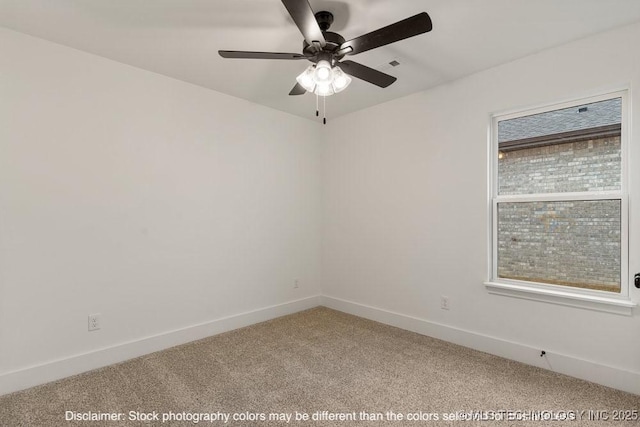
point(324, 110)
point(317, 109)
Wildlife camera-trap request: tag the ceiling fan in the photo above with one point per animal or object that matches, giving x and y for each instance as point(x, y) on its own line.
point(325, 49)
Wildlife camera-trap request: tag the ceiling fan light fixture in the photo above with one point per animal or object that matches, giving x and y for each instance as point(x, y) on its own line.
point(337, 81)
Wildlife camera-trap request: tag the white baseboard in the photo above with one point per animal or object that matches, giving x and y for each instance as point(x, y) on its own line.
point(578, 368)
point(590, 371)
point(57, 369)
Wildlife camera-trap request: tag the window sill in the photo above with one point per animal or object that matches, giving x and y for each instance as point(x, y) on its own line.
point(590, 302)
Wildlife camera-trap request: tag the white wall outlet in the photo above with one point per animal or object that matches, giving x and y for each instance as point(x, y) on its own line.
point(94, 322)
point(296, 284)
point(444, 302)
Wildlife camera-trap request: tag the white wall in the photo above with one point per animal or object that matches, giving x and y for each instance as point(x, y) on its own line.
point(173, 211)
point(159, 204)
point(405, 212)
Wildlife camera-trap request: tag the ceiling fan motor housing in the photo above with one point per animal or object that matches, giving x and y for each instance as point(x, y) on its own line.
point(314, 52)
point(334, 40)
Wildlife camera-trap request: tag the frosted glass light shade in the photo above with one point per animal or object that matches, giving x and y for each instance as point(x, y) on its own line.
point(325, 89)
point(323, 73)
point(340, 80)
point(305, 79)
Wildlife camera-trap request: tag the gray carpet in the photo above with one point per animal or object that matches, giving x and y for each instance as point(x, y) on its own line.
point(317, 360)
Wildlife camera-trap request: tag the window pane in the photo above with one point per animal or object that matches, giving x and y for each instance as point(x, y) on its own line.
point(571, 149)
point(574, 243)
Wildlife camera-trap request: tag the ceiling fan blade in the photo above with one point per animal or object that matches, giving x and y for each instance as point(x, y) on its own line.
point(367, 74)
point(298, 89)
point(417, 24)
point(302, 15)
point(259, 55)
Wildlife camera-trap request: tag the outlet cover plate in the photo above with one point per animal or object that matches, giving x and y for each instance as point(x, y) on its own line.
point(94, 322)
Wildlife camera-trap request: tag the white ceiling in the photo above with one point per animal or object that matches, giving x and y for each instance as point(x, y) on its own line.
point(180, 38)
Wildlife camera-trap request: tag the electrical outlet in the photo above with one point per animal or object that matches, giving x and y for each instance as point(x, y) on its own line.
point(94, 322)
point(444, 302)
point(296, 284)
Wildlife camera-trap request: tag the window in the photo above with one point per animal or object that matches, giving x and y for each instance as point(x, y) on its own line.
point(559, 204)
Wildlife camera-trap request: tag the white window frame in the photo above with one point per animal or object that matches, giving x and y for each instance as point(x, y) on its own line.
point(618, 303)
